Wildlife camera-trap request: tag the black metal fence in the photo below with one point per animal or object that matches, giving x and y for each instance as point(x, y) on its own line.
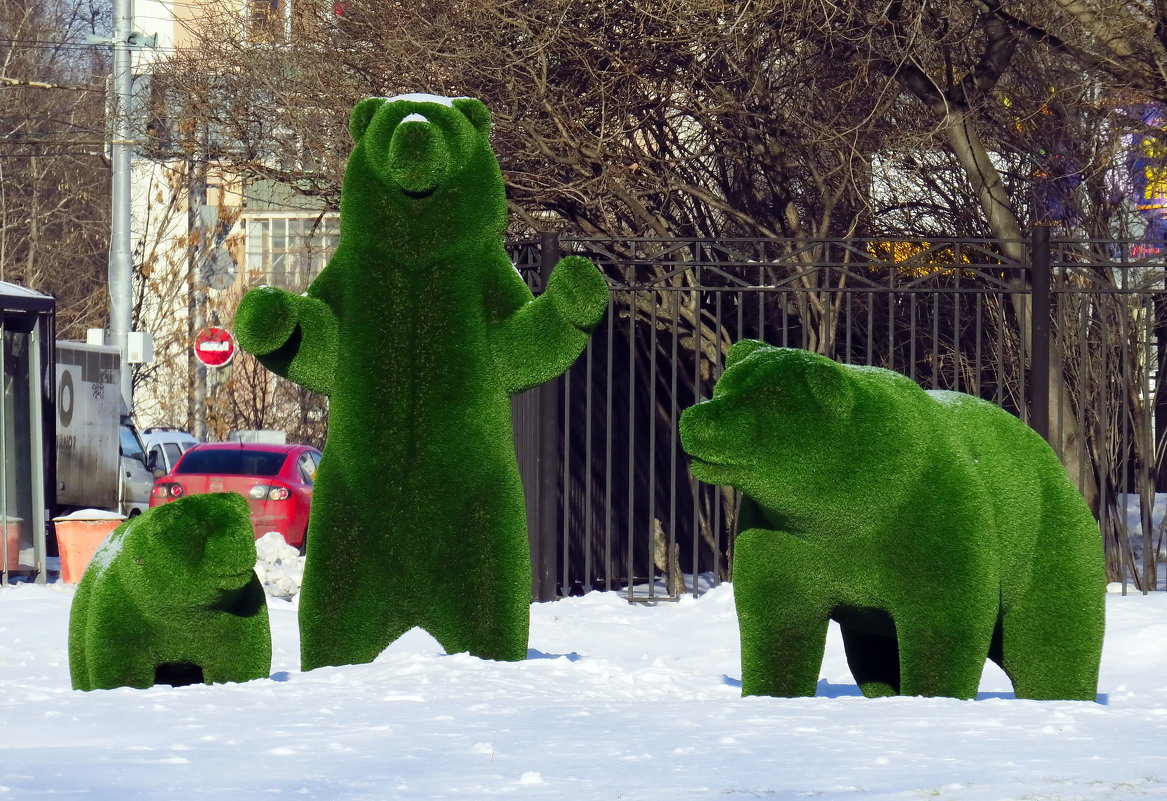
point(1070, 336)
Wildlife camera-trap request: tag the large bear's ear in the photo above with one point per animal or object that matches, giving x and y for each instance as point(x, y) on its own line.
point(830, 385)
point(362, 115)
point(741, 349)
point(475, 111)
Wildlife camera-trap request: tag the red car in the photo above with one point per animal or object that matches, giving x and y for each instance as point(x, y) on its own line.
point(275, 479)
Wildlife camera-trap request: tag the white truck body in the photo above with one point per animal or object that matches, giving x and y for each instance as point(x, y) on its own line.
point(101, 463)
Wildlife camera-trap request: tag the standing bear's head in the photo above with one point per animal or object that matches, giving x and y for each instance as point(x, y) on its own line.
point(422, 182)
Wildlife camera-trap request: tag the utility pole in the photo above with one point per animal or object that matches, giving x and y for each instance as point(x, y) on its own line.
point(134, 347)
point(121, 270)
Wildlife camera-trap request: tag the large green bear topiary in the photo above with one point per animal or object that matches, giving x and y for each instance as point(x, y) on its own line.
point(419, 330)
point(936, 528)
point(171, 597)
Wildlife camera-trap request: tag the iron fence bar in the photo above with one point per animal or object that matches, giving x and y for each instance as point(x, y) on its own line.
point(608, 450)
point(589, 535)
point(936, 340)
point(1146, 437)
point(913, 327)
point(566, 504)
point(652, 521)
point(761, 314)
point(978, 339)
point(630, 536)
point(676, 315)
point(1124, 438)
point(870, 306)
point(1083, 357)
point(697, 337)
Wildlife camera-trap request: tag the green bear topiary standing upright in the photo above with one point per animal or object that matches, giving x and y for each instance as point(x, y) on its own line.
point(171, 597)
point(419, 330)
point(934, 527)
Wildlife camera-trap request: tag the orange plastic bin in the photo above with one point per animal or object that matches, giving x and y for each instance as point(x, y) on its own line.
point(78, 536)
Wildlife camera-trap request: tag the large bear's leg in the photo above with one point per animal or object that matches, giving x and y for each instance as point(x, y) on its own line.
point(354, 598)
point(484, 595)
point(1051, 636)
point(782, 619)
point(944, 641)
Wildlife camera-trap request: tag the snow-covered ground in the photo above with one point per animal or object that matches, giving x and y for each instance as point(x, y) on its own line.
point(615, 701)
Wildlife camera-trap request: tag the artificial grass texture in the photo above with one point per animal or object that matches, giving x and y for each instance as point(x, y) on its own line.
point(171, 597)
point(936, 528)
point(419, 329)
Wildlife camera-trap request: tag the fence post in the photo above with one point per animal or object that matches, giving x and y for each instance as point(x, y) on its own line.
point(544, 519)
point(1159, 391)
point(1039, 322)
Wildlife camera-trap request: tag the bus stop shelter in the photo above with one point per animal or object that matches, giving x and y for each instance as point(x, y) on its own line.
point(27, 323)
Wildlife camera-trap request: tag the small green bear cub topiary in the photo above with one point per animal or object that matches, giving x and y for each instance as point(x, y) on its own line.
point(171, 597)
point(419, 330)
point(934, 527)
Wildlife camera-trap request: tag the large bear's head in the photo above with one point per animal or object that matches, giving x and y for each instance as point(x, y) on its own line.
point(776, 427)
point(422, 180)
point(188, 552)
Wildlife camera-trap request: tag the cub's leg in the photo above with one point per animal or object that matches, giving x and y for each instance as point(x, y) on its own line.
point(782, 619)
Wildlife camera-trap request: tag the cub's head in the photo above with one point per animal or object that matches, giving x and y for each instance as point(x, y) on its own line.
point(422, 171)
point(192, 550)
point(774, 423)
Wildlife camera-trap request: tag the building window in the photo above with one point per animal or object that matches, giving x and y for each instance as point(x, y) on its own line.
point(274, 21)
point(289, 251)
point(267, 20)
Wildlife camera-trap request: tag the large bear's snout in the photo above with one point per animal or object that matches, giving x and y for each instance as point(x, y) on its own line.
point(418, 158)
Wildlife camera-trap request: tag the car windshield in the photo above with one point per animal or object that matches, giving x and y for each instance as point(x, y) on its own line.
point(232, 462)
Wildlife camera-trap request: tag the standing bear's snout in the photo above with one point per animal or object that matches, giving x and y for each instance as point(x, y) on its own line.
point(418, 158)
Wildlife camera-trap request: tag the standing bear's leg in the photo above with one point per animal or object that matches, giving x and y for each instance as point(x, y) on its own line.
point(347, 618)
point(487, 611)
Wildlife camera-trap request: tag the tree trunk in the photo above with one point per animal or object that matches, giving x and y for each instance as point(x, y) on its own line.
point(1065, 433)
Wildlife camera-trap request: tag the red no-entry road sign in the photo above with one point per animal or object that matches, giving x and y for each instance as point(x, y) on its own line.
point(214, 347)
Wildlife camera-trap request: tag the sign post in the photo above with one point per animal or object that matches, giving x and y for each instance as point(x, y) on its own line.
point(214, 347)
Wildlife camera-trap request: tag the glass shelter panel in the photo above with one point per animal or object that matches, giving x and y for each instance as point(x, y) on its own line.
point(21, 474)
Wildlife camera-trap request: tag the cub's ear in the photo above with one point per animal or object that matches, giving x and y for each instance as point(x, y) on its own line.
point(362, 115)
point(741, 349)
point(475, 111)
point(830, 385)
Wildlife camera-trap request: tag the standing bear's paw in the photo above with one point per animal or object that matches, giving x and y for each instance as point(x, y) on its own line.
point(265, 320)
point(579, 291)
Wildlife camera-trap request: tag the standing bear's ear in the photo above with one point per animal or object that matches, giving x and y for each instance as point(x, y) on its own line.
point(475, 111)
point(362, 115)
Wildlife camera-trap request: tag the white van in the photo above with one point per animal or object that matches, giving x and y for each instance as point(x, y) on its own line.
point(164, 446)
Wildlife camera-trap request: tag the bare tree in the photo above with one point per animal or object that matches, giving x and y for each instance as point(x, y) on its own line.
point(785, 120)
point(54, 209)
